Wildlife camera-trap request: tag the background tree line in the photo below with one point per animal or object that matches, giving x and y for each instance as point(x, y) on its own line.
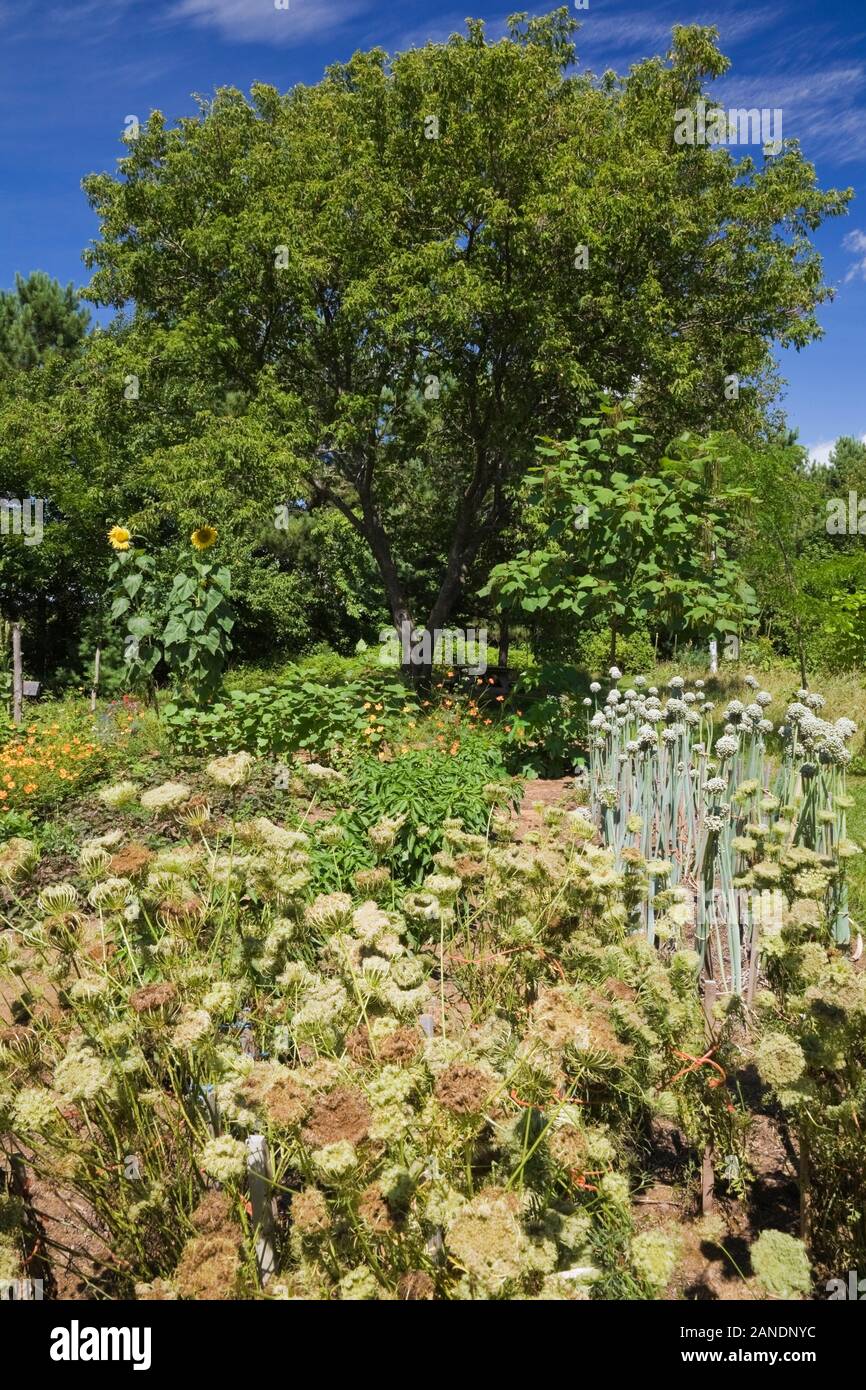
point(321, 309)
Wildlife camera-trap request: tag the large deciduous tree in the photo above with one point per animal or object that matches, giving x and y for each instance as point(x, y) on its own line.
point(400, 276)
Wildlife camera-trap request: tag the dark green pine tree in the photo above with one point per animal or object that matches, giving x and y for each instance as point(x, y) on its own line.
point(36, 316)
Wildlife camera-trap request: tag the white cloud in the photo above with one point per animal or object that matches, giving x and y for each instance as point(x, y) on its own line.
point(856, 241)
point(653, 31)
point(822, 106)
point(819, 454)
point(259, 21)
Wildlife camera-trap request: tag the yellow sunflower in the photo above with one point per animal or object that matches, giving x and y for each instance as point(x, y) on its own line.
point(119, 538)
point(204, 537)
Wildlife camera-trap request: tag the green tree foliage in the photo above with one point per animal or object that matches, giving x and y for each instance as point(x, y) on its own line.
point(801, 548)
point(371, 294)
point(38, 316)
point(385, 270)
point(640, 546)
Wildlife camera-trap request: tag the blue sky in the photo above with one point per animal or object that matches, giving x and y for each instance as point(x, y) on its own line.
point(70, 73)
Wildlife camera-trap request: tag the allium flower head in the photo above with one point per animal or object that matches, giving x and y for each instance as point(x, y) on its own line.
point(727, 746)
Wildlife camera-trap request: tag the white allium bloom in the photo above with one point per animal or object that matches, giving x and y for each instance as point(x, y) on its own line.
point(640, 680)
point(676, 682)
point(613, 698)
point(814, 700)
point(765, 726)
point(699, 685)
point(751, 682)
point(653, 690)
point(615, 673)
point(727, 746)
point(846, 728)
point(587, 700)
point(690, 697)
point(763, 698)
point(595, 687)
point(715, 784)
point(597, 720)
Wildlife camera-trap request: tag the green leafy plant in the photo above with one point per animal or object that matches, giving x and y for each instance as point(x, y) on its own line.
point(299, 714)
point(413, 797)
point(617, 536)
point(134, 600)
point(197, 634)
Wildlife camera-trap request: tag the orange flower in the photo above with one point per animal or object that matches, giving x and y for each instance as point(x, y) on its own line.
point(29, 787)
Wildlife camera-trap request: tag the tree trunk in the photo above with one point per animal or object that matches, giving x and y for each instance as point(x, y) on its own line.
point(612, 649)
point(504, 641)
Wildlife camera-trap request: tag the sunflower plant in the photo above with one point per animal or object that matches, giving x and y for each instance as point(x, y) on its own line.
point(132, 586)
point(196, 639)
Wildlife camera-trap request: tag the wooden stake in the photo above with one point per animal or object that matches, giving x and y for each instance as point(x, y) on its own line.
point(17, 674)
point(95, 681)
point(261, 1179)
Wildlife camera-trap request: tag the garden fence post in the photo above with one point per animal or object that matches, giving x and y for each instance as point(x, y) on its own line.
point(261, 1179)
point(95, 681)
point(17, 674)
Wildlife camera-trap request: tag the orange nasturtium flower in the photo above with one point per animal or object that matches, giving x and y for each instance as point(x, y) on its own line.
point(203, 537)
point(119, 538)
